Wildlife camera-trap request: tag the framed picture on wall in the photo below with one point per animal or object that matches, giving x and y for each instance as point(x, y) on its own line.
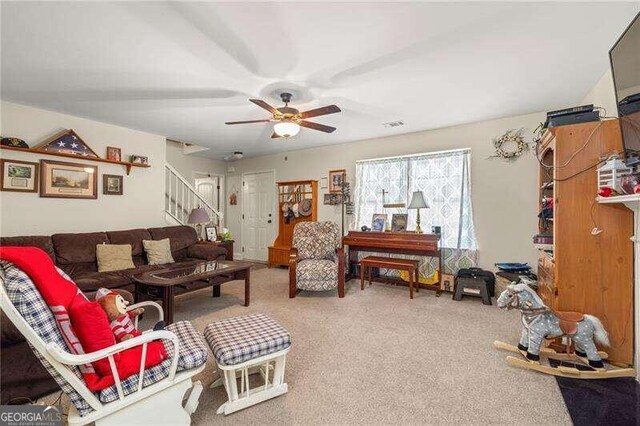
point(68, 180)
point(18, 176)
point(112, 184)
point(336, 179)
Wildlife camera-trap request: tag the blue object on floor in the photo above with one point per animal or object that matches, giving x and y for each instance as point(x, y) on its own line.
point(512, 267)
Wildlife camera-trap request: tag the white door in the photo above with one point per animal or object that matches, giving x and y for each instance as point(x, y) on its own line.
point(258, 215)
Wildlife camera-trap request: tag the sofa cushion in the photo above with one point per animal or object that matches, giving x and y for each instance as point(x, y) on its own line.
point(133, 237)
point(41, 242)
point(77, 248)
point(158, 252)
point(181, 237)
point(114, 257)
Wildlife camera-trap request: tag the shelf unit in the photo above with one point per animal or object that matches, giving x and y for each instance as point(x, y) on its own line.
point(126, 164)
point(632, 202)
point(291, 192)
point(587, 273)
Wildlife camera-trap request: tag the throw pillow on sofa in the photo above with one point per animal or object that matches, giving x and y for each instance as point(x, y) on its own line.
point(114, 257)
point(158, 252)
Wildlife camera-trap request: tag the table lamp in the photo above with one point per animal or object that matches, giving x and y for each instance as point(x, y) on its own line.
point(198, 216)
point(418, 202)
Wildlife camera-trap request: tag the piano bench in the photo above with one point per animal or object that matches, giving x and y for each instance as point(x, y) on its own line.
point(408, 265)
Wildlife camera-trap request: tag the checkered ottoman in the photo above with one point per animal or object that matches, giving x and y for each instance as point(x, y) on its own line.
point(243, 346)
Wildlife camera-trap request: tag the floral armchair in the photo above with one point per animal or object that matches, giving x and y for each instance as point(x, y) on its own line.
point(317, 260)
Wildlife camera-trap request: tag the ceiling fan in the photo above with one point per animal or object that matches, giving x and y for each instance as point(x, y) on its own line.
point(288, 120)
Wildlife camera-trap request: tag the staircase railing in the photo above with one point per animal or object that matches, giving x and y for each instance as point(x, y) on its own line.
point(181, 198)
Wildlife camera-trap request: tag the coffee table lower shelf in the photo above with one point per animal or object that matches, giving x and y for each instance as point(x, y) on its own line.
point(149, 287)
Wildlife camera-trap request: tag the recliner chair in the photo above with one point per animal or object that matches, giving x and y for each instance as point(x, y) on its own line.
point(317, 260)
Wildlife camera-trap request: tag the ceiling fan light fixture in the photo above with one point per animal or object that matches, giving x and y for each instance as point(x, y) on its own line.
point(286, 129)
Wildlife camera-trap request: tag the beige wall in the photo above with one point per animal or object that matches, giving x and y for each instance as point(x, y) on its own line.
point(603, 95)
point(187, 164)
point(504, 194)
point(140, 206)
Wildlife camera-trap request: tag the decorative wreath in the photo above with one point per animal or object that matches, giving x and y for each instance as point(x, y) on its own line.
point(513, 138)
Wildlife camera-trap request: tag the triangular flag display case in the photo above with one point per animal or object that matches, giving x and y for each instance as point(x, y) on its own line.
point(68, 144)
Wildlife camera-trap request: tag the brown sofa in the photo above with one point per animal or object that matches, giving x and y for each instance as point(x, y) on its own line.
point(21, 373)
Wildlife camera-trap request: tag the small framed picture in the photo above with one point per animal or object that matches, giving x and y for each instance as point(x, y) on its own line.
point(336, 179)
point(112, 184)
point(68, 180)
point(399, 222)
point(114, 154)
point(211, 233)
point(324, 183)
point(447, 283)
point(379, 222)
point(327, 198)
point(19, 176)
point(138, 159)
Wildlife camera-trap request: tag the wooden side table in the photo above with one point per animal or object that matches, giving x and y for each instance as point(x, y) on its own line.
point(227, 245)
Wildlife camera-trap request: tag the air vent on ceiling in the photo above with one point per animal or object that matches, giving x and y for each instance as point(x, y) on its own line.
point(392, 124)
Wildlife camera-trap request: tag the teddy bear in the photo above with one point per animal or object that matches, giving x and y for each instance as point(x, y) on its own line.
point(120, 320)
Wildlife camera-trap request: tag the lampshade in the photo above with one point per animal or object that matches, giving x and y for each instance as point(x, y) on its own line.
point(417, 201)
point(198, 216)
point(286, 129)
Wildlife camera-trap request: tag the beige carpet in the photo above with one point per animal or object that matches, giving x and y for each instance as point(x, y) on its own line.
point(377, 357)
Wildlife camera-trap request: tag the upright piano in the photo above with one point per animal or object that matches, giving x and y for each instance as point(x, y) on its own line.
point(427, 245)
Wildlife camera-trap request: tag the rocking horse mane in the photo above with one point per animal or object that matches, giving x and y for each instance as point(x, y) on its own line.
point(524, 287)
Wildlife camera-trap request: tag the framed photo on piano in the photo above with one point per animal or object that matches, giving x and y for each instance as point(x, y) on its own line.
point(379, 223)
point(399, 222)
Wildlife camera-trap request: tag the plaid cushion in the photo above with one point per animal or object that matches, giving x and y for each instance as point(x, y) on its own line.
point(30, 305)
point(193, 353)
point(236, 340)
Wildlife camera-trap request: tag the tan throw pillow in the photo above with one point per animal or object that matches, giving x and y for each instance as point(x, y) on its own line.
point(114, 257)
point(158, 252)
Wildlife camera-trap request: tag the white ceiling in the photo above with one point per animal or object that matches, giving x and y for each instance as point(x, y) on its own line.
point(182, 69)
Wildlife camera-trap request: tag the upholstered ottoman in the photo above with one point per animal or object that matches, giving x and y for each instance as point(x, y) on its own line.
point(243, 346)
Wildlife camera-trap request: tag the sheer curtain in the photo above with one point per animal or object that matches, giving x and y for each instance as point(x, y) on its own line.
point(444, 178)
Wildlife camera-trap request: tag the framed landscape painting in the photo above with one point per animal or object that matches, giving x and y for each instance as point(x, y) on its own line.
point(68, 180)
point(19, 176)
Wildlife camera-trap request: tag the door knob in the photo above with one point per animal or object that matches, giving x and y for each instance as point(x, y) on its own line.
point(269, 221)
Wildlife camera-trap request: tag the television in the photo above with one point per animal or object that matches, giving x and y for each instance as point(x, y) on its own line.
point(625, 66)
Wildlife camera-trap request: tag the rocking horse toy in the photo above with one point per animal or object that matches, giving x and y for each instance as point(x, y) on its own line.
point(540, 323)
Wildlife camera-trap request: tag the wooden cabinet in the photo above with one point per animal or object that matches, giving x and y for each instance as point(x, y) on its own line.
point(583, 272)
point(290, 193)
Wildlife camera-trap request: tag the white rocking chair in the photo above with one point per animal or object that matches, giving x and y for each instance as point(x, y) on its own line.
point(158, 403)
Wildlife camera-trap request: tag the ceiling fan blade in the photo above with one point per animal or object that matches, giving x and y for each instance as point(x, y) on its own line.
point(317, 126)
point(263, 104)
point(275, 135)
point(331, 109)
point(245, 122)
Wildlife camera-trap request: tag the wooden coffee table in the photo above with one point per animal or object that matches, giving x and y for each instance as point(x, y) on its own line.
point(164, 284)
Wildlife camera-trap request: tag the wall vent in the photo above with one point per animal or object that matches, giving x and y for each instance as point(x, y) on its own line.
point(392, 124)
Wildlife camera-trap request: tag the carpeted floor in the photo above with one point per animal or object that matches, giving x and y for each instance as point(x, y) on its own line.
point(378, 357)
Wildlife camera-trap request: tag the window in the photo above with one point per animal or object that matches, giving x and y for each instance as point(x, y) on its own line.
point(444, 178)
